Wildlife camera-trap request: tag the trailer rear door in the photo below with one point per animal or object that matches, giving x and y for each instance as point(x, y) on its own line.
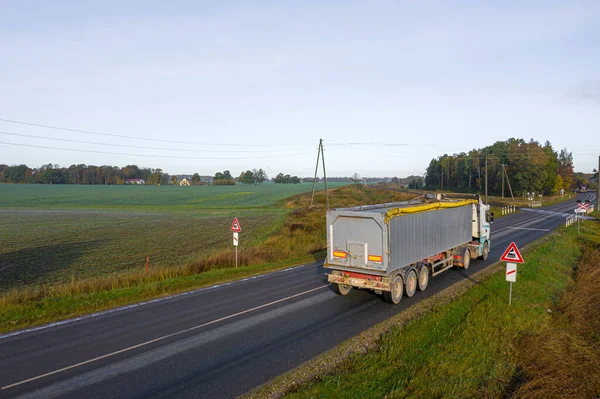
point(357, 240)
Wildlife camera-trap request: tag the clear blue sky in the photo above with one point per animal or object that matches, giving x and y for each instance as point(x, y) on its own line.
point(437, 77)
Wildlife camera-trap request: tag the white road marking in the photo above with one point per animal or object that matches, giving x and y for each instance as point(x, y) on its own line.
point(159, 339)
point(527, 228)
point(146, 358)
point(135, 305)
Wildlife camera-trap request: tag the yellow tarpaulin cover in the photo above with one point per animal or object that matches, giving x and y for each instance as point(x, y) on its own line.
point(425, 208)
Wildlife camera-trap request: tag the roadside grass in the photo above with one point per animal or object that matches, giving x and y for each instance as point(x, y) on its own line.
point(300, 236)
point(563, 359)
point(474, 346)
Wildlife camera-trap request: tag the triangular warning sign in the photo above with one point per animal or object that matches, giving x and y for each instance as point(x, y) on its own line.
point(512, 254)
point(235, 225)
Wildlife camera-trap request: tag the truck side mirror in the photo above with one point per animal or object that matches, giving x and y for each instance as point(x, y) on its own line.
point(492, 217)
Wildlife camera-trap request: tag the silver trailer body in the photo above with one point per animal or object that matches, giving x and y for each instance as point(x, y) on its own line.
point(359, 238)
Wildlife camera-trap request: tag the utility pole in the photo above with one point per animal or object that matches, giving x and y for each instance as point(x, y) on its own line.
point(598, 181)
point(442, 178)
point(508, 181)
point(321, 154)
point(324, 176)
point(316, 170)
point(486, 179)
point(503, 171)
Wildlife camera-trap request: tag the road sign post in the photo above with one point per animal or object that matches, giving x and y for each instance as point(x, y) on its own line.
point(581, 209)
point(236, 241)
point(511, 277)
point(236, 228)
point(511, 256)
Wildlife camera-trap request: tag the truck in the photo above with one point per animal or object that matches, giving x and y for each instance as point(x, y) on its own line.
point(394, 249)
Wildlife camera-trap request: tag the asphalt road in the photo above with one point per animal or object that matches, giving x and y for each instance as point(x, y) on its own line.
point(222, 341)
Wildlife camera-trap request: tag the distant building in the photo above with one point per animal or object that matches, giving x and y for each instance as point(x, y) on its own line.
point(135, 181)
point(185, 182)
point(206, 179)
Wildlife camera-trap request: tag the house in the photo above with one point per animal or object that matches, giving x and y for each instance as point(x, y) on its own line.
point(135, 181)
point(185, 182)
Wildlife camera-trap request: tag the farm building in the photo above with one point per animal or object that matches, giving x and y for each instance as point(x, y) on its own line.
point(135, 181)
point(185, 182)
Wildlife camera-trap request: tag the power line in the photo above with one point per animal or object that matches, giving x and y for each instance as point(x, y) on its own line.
point(148, 155)
point(378, 144)
point(144, 147)
point(143, 138)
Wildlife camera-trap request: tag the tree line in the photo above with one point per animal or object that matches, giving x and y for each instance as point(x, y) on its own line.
point(115, 175)
point(526, 166)
point(81, 174)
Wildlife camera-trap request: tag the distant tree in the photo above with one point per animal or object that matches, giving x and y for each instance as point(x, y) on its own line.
point(15, 174)
point(279, 179)
point(355, 179)
point(286, 179)
point(196, 179)
point(416, 183)
point(558, 184)
point(246, 177)
point(223, 179)
point(565, 168)
point(259, 176)
point(174, 180)
point(395, 181)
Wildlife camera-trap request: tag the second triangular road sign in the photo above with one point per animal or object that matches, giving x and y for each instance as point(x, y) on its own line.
point(235, 226)
point(512, 254)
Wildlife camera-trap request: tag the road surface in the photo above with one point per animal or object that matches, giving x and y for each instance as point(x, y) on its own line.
point(222, 341)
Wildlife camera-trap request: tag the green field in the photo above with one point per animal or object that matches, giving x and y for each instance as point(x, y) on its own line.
point(42, 196)
point(53, 233)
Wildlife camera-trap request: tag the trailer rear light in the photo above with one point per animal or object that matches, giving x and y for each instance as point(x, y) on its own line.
point(375, 258)
point(339, 254)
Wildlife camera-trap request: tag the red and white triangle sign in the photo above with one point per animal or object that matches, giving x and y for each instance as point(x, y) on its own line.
point(512, 254)
point(235, 226)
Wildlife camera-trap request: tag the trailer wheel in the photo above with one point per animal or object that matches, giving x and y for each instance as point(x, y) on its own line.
point(466, 259)
point(341, 289)
point(423, 278)
point(411, 283)
point(397, 290)
point(486, 251)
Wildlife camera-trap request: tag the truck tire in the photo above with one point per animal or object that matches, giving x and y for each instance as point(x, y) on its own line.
point(466, 260)
point(341, 289)
point(397, 290)
point(423, 278)
point(411, 283)
point(486, 251)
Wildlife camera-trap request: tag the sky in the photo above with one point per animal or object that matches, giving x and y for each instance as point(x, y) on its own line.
point(208, 86)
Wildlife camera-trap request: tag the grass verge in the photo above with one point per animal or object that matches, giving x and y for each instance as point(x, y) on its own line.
point(36, 306)
point(469, 342)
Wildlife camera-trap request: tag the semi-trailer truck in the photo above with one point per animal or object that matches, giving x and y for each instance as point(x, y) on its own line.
point(394, 249)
